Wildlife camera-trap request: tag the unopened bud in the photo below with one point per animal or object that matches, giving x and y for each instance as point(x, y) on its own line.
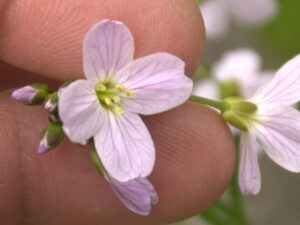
point(52, 136)
point(51, 102)
point(34, 94)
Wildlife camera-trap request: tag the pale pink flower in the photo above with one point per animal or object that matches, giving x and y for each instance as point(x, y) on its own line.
point(138, 194)
point(241, 67)
point(117, 88)
point(218, 14)
point(275, 127)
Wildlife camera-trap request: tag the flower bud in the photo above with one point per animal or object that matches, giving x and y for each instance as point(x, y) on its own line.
point(34, 94)
point(52, 136)
point(51, 102)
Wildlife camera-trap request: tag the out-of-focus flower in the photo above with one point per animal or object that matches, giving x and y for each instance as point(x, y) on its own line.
point(236, 74)
point(34, 94)
point(217, 14)
point(138, 195)
point(268, 120)
point(117, 88)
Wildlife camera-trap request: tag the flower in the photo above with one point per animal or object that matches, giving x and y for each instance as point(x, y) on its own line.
point(271, 123)
point(217, 14)
point(117, 88)
point(237, 73)
point(138, 194)
point(34, 94)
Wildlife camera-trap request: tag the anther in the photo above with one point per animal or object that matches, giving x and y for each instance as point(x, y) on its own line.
point(107, 101)
point(120, 87)
point(128, 92)
point(118, 110)
point(117, 99)
point(100, 87)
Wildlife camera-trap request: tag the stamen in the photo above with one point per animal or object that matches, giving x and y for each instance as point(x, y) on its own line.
point(128, 92)
point(100, 87)
point(107, 101)
point(120, 87)
point(117, 99)
point(118, 110)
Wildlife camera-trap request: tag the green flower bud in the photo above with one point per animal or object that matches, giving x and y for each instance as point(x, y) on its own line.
point(51, 102)
point(52, 136)
point(34, 94)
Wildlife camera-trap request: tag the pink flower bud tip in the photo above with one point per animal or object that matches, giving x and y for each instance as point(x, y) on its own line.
point(24, 94)
point(43, 148)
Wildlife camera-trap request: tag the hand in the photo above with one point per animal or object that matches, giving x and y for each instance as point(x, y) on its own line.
point(195, 152)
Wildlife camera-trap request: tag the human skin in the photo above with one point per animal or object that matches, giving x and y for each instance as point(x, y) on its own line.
point(41, 41)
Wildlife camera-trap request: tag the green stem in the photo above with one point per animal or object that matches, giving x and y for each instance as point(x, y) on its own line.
point(216, 104)
point(232, 212)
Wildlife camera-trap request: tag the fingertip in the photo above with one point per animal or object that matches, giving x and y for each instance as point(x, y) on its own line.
point(195, 160)
point(46, 37)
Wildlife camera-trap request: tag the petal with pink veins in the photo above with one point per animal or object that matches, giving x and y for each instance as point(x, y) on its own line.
point(138, 194)
point(107, 48)
point(285, 86)
point(80, 111)
point(158, 83)
point(249, 172)
point(125, 147)
point(279, 134)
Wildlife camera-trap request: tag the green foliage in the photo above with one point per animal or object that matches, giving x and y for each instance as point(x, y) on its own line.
point(281, 37)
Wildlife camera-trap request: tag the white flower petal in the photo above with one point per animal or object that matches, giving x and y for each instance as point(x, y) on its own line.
point(241, 65)
point(252, 12)
point(216, 19)
point(284, 88)
point(206, 89)
point(80, 111)
point(125, 147)
point(261, 80)
point(107, 48)
point(279, 133)
point(158, 83)
point(249, 172)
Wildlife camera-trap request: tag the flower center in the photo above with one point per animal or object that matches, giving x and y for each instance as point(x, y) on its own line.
point(111, 95)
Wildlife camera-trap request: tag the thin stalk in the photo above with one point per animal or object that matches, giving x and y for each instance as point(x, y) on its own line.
point(216, 104)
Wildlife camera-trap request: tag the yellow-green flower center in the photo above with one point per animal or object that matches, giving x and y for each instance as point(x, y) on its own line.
point(111, 95)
